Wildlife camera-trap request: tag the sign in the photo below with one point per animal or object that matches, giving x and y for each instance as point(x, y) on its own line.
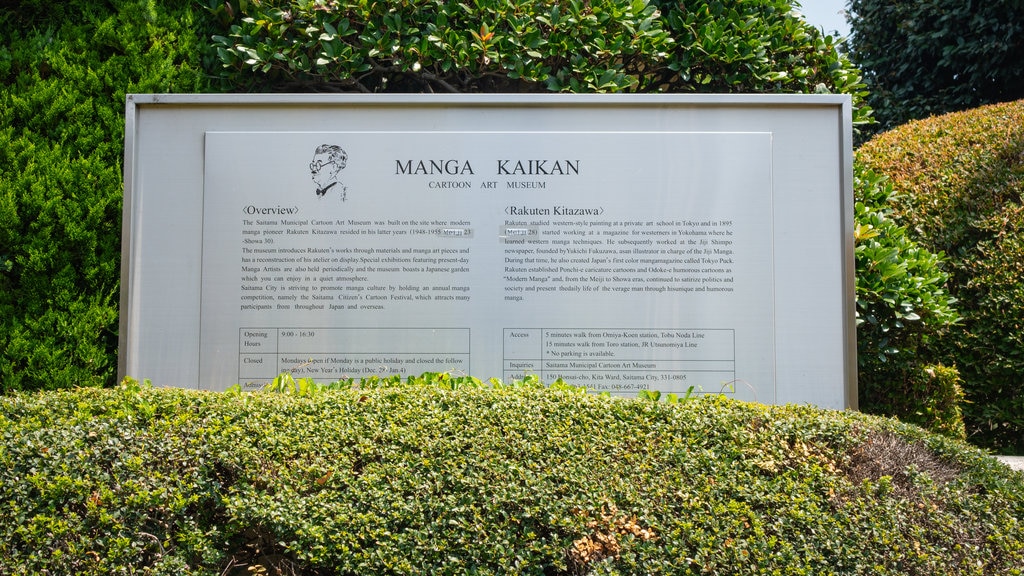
point(622, 243)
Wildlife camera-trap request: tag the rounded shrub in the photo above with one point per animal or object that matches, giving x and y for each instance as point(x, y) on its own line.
point(392, 477)
point(960, 182)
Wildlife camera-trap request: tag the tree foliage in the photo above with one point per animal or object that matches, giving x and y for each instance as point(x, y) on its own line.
point(930, 57)
point(903, 312)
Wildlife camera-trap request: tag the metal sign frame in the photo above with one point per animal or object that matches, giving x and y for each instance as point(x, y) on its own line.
point(648, 177)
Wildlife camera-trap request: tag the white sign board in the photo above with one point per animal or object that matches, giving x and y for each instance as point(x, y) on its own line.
point(622, 243)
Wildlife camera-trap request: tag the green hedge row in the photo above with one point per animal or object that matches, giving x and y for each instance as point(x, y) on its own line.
point(416, 478)
point(960, 183)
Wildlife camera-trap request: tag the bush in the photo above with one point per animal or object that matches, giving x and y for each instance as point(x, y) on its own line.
point(903, 309)
point(457, 477)
point(928, 396)
point(759, 46)
point(961, 179)
point(65, 68)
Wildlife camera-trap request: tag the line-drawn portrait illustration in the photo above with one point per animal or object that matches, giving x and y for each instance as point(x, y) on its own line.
point(328, 161)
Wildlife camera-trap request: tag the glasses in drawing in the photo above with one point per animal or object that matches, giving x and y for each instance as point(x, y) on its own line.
point(317, 165)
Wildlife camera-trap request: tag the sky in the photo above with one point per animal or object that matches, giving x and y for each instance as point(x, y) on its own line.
point(826, 14)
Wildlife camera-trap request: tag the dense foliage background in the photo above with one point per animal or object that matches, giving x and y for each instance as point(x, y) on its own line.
point(448, 476)
point(925, 58)
point(530, 45)
point(65, 68)
point(549, 481)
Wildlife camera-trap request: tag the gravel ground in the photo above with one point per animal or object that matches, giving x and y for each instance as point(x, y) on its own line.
point(1015, 462)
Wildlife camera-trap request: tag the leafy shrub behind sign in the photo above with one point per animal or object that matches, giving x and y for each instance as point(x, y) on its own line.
point(960, 179)
point(759, 46)
point(65, 68)
point(410, 477)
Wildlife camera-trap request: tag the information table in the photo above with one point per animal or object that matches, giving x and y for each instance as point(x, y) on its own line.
point(624, 360)
point(328, 354)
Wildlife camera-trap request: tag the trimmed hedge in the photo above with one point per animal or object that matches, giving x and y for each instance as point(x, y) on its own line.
point(960, 179)
point(928, 396)
point(389, 477)
point(65, 68)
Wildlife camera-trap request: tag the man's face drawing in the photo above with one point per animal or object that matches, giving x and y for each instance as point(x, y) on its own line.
point(324, 169)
